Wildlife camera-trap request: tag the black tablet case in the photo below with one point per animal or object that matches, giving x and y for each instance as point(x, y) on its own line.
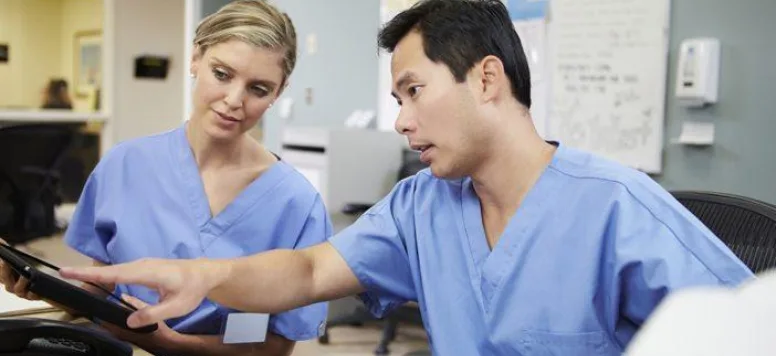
point(64, 293)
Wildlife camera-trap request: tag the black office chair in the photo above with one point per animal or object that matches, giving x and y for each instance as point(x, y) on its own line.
point(41, 337)
point(358, 314)
point(30, 159)
point(747, 226)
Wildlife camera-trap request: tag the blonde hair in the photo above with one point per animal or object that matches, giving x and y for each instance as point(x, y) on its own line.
point(255, 22)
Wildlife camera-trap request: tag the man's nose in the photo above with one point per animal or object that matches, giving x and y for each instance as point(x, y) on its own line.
point(404, 122)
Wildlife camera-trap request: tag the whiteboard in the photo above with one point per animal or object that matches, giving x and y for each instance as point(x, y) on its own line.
point(532, 37)
point(529, 20)
point(387, 107)
point(608, 63)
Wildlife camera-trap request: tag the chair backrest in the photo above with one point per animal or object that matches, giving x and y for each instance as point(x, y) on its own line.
point(747, 226)
point(29, 157)
point(38, 145)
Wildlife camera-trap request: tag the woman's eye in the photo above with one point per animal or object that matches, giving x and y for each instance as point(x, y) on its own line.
point(259, 91)
point(220, 74)
point(414, 90)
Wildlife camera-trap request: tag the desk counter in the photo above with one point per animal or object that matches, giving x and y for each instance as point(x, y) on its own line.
point(50, 116)
point(39, 310)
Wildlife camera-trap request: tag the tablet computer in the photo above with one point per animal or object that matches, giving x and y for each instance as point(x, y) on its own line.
point(45, 281)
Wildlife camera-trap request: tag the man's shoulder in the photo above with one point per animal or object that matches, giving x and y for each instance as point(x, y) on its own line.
point(623, 189)
point(583, 165)
point(416, 190)
point(621, 182)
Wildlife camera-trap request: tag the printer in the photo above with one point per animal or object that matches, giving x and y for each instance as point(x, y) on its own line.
point(347, 165)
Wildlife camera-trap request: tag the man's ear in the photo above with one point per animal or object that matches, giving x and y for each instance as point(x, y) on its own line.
point(492, 77)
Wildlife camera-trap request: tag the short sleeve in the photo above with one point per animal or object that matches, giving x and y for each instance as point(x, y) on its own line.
point(376, 250)
point(83, 233)
point(656, 258)
point(307, 322)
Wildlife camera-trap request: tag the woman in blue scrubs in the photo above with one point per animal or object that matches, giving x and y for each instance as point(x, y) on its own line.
point(207, 189)
point(511, 245)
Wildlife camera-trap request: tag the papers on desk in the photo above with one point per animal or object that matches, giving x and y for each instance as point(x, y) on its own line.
point(12, 305)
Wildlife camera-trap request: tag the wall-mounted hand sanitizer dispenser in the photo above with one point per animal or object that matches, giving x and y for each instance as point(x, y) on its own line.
point(697, 76)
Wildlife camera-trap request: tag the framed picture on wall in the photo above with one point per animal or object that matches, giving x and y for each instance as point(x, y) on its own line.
point(87, 62)
point(3, 53)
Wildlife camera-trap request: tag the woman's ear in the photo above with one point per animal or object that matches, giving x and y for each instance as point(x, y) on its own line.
point(196, 58)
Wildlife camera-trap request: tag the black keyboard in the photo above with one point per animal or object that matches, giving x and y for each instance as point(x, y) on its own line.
point(59, 346)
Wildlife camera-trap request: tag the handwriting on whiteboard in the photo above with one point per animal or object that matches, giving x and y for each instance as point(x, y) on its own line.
point(608, 64)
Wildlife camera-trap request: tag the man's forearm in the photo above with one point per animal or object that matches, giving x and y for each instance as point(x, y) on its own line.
point(281, 280)
point(269, 282)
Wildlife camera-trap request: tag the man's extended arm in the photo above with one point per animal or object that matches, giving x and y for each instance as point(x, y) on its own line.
point(268, 282)
point(295, 277)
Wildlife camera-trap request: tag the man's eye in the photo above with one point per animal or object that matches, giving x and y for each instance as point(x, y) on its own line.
point(414, 90)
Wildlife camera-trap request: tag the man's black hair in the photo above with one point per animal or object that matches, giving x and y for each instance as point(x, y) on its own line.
point(460, 33)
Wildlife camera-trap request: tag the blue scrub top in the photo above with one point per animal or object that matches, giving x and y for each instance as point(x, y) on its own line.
point(593, 248)
point(146, 199)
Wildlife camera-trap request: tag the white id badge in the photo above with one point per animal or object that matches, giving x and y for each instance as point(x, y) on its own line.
point(241, 328)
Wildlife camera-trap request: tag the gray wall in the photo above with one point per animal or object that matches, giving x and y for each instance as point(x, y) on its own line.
point(743, 157)
point(342, 73)
point(343, 76)
point(208, 7)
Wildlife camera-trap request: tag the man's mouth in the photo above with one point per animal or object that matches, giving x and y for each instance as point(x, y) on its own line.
point(420, 148)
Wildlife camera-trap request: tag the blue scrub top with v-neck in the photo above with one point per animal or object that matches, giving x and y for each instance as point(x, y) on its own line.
point(146, 199)
point(593, 248)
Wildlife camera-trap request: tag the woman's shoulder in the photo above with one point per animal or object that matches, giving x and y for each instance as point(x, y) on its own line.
point(143, 147)
point(298, 182)
point(294, 186)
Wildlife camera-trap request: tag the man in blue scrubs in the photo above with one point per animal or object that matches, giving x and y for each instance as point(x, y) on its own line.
point(511, 245)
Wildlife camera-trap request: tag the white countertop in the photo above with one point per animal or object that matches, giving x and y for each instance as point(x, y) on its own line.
point(11, 304)
point(51, 116)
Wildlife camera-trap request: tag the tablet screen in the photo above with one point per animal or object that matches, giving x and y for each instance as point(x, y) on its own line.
point(53, 271)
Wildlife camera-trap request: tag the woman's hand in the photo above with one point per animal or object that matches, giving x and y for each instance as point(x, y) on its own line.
point(13, 282)
point(162, 341)
point(165, 341)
